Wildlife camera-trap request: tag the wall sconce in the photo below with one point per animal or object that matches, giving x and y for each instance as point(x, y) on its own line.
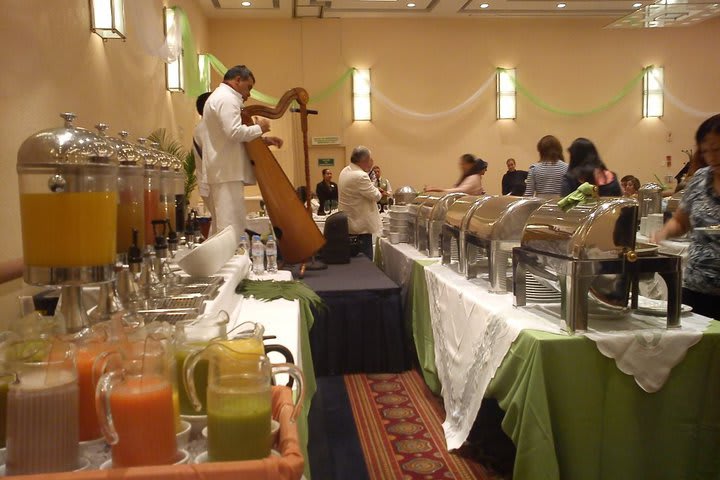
point(107, 18)
point(506, 105)
point(362, 110)
point(653, 92)
point(174, 77)
point(204, 70)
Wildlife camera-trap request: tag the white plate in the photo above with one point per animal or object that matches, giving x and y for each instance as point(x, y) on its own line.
point(657, 307)
point(203, 456)
point(182, 455)
point(84, 464)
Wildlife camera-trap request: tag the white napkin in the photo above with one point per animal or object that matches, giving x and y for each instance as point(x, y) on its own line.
point(649, 354)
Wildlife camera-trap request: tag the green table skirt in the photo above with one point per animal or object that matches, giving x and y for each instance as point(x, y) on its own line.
point(573, 415)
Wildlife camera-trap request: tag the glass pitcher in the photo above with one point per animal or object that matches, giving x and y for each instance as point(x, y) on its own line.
point(42, 409)
point(238, 400)
point(192, 336)
point(134, 403)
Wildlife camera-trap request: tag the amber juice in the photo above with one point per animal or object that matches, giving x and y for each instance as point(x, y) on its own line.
point(130, 216)
point(73, 229)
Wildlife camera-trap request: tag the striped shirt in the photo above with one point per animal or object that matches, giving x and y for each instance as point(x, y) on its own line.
point(545, 179)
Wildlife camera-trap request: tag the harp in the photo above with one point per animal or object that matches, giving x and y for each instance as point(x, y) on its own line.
point(297, 234)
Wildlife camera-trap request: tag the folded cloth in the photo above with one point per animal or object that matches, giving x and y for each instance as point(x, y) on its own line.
point(577, 197)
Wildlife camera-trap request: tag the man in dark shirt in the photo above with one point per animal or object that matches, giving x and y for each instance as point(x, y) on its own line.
point(326, 190)
point(513, 182)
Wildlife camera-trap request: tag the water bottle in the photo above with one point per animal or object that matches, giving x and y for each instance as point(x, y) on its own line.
point(243, 247)
point(271, 255)
point(258, 255)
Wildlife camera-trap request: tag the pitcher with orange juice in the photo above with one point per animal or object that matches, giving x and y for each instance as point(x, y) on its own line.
point(134, 403)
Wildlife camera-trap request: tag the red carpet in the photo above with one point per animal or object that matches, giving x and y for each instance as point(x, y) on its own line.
point(400, 427)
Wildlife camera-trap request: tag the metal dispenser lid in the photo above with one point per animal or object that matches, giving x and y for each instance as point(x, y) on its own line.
point(67, 145)
point(128, 154)
point(651, 187)
point(149, 157)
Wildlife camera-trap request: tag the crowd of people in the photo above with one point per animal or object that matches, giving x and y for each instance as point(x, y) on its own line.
point(223, 169)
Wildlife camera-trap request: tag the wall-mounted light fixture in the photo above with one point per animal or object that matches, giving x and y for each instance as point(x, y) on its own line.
point(204, 70)
point(174, 78)
point(653, 92)
point(107, 18)
point(506, 105)
point(362, 109)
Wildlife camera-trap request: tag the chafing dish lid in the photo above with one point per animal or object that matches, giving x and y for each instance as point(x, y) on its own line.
point(67, 145)
point(457, 214)
point(503, 217)
point(439, 210)
point(602, 229)
point(418, 202)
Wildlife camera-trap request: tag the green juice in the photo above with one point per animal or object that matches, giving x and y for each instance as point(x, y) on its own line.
point(238, 424)
point(3, 412)
point(201, 381)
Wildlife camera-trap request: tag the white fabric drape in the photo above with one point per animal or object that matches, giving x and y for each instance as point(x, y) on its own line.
point(679, 103)
point(146, 19)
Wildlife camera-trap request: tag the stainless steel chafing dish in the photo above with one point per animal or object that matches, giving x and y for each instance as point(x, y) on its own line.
point(430, 220)
point(453, 231)
point(414, 210)
point(589, 251)
point(495, 228)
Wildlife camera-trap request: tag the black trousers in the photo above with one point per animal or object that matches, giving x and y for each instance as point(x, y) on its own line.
point(702, 303)
point(366, 244)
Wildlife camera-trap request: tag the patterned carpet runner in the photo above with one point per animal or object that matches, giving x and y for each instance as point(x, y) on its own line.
point(400, 428)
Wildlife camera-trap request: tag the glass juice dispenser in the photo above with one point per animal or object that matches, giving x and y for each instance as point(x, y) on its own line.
point(166, 208)
point(151, 189)
point(68, 207)
point(180, 201)
point(131, 176)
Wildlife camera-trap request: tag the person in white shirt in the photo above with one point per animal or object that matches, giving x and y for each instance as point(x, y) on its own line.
point(358, 198)
point(225, 161)
point(200, 174)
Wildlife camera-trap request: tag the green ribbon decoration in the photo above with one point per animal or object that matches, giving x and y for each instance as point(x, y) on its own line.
point(218, 66)
point(544, 105)
point(191, 70)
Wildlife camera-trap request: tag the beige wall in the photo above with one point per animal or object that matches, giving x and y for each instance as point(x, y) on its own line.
point(52, 63)
point(432, 65)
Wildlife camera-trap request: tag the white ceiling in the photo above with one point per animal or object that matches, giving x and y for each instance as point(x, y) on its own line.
point(619, 13)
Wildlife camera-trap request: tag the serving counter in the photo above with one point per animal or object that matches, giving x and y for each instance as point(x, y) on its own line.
point(570, 409)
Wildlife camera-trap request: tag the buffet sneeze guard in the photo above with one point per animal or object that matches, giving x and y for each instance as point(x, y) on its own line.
point(589, 251)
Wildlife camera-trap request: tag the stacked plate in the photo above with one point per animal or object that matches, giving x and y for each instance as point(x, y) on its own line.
point(539, 291)
point(398, 228)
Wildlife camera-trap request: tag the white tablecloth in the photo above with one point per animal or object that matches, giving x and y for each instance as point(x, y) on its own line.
point(398, 261)
point(262, 225)
point(474, 329)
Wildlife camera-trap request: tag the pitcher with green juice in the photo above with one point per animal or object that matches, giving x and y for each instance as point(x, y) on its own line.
point(238, 400)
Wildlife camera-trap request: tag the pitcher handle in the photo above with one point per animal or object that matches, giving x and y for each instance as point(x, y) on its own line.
point(296, 373)
point(102, 405)
point(286, 353)
point(189, 378)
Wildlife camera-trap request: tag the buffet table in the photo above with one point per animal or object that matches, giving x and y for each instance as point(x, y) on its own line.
point(362, 328)
point(570, 411)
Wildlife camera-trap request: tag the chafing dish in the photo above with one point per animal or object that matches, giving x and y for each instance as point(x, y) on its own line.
point(650, 199)
point(430, 220)
point(414, 210)
point(589, 251)
point(404, 195)
point(453, 231)
point(494, 228)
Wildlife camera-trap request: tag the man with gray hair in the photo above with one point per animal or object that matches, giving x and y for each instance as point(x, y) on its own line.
point(358, 198)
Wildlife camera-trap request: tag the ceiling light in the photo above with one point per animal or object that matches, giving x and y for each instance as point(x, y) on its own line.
point(246, 4)
point(484, 5)
point(411, 5)
point(561, 5)
point(637, 5)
